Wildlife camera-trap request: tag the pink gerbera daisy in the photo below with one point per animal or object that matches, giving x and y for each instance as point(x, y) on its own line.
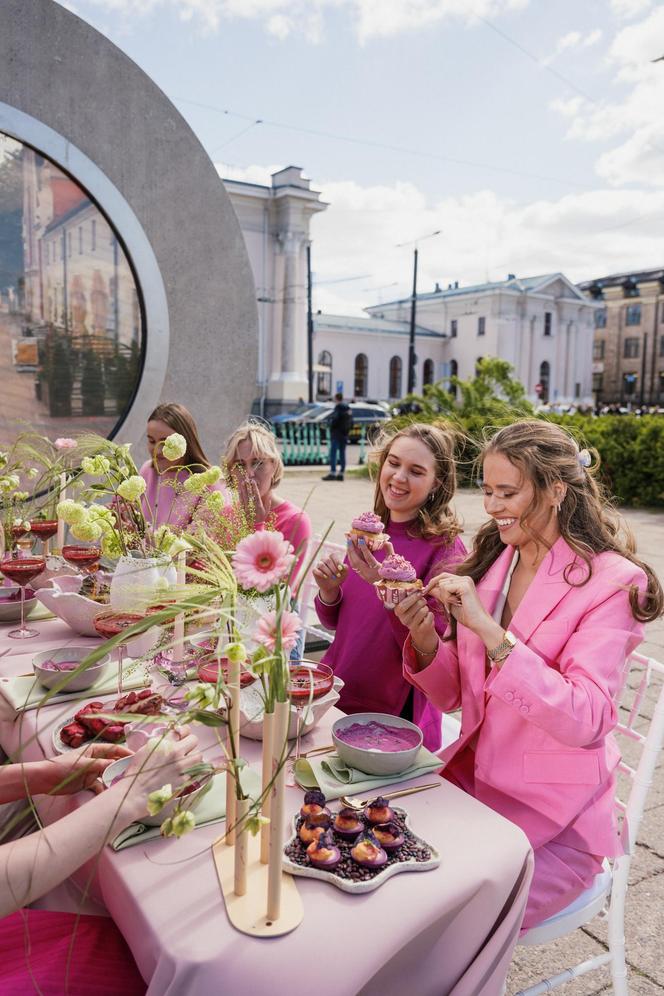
point(266, 630)
point(262, 560)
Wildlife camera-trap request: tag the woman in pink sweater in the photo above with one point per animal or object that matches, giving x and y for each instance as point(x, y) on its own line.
point(415, 485)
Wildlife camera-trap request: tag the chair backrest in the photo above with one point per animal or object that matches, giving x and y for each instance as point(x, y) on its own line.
point(309, 589)
point(638, 677)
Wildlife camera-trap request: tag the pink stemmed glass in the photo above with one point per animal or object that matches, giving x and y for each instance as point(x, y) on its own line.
point(45, 530)
point(22, 570)
point(82, 558)
point(109, 624)
point(307, 681)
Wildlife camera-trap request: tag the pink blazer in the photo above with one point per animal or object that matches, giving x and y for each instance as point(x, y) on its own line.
point(536, 733)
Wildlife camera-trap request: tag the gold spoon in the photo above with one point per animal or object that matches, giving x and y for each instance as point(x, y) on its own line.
point(355, 803)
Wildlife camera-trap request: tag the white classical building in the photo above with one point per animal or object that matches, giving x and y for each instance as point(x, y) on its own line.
point(275, 222)
point(542, 325)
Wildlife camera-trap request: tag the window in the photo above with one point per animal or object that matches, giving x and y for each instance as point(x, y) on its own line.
point(93, 236)
point(395, 377)
point(324, 379)
point(633, 314)
point(629, 384)
point(597, 383)
point(661, 313)
point(427, 372)
point(661, 346)
point(454, 372)
point(78, 346)
point(600, 318)
point(454, 326)
point(598, 349)
point(547, 322)
point(481, 325)
point(361, 376)
point(544, 379)
point(631, 348)
point(660, 387)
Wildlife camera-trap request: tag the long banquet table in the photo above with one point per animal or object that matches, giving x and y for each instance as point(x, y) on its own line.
point(446, 931)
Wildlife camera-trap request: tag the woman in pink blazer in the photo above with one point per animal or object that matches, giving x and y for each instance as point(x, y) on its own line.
point(542, 617)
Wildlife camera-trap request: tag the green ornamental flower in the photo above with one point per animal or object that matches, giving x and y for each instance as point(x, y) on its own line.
point(71, 512)
point(9, 482)
point(86, 531)
point(215, 501)
point(175, 446)
point(95, 466)
point(254, 824)
point(183, 822)
point(132, 488)
point(201, 695)
point(158, 799)
point(236, 653)
point(111, 546)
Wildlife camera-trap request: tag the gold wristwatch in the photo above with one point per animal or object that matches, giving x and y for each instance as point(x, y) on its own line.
point(505, 647)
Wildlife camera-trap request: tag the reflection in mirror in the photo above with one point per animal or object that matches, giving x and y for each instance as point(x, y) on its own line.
point(71, 336)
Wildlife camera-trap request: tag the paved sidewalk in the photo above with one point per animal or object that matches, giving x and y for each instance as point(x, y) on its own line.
point(337, 502)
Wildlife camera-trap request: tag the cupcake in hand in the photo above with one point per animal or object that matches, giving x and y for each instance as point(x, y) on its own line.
point(397, 578)
point(368, 527)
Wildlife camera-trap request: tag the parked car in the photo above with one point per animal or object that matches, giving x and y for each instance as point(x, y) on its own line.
point(367, 414)
point(299, 414)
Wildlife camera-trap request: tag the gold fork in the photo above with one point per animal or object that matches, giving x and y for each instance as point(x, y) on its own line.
point(355, 803)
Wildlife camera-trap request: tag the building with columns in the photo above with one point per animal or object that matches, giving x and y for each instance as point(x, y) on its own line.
point(542, 325)
point(275, 222)
point(628, 345)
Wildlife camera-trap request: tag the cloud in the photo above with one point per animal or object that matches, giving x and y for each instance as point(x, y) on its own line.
point(629, 8)
point(574, 40)
point(483, 236)
point(281, 18)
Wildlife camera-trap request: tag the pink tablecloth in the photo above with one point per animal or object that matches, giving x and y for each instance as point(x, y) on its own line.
point(448, 931)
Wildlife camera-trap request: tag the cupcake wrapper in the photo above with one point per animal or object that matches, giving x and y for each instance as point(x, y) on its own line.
point(392, 596)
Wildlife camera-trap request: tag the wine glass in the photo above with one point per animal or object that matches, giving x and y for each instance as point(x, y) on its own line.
point(44, 529)
point(22, 570)
point(307, 681)
point(109, 624)
point(81, 557)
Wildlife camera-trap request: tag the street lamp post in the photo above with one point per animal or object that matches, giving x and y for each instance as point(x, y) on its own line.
point(413, 310)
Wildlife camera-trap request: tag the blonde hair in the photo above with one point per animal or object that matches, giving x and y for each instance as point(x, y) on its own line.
point(546, 455)
point(435, 517)
point(263, 444)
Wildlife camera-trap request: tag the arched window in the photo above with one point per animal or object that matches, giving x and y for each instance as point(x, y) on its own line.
point(544, 382)
point(324, 381)
point(361, 376)
point(395, 377)
point(477, 365)
point(454, 372)
point(427, 372)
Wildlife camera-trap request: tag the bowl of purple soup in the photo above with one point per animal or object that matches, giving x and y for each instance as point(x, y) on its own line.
point(377, 743)
point(52, 667)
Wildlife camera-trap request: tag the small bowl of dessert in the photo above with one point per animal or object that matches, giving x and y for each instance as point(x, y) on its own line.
point(377, 743)
point(51, 668)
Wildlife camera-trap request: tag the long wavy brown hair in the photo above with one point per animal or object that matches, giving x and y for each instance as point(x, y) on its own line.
point(435, 518)
point(179, 419)
point(547, 455)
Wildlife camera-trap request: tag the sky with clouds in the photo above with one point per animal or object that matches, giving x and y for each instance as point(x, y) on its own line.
point(530, 133)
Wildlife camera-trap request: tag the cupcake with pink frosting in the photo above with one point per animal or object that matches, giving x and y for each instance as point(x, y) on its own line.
point(397, 579)
point(368, 527)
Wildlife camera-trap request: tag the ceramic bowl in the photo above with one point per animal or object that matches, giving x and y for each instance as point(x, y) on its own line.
point(63, 599)
point(116, 771)
point(10, 602)
point(48, 678)
point(374, 761)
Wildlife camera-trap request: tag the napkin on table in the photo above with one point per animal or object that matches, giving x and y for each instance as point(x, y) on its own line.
point(210, 809)
point(25, 692)
point(334, 777)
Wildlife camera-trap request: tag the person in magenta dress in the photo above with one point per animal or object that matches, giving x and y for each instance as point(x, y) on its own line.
point(543, 614)
point(416, 483)
point(164, 502)
point(56, 952)
point(256, 469)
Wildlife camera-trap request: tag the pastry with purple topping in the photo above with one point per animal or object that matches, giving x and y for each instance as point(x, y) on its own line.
point(347, 823)
point(308, 832)
point(379, 811)
point(314, 810)
point(368, 852)
point(323, 853)
point(389, 836)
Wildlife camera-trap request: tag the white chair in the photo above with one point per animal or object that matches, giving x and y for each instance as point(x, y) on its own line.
point(309, 589)
point(606, 896)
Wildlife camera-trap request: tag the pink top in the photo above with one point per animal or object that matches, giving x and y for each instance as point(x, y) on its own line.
point(368, 522)
point(161, 505)
point(397, 568)
point(294, 525)
point(367, 648)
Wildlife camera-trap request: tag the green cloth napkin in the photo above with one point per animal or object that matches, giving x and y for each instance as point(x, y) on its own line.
point(40, 611)
point(333, 777)
point(210, 809)
point(25, 692)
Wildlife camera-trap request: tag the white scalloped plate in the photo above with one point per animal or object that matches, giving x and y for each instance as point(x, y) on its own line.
point(358, 888)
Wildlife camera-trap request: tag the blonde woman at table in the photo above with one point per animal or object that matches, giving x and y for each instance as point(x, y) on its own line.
point(35, 945)
point(543, 615)
point(416, 481)
point(163, 502)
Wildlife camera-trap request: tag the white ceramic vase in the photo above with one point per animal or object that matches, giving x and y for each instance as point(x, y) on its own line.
point(136, 580)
